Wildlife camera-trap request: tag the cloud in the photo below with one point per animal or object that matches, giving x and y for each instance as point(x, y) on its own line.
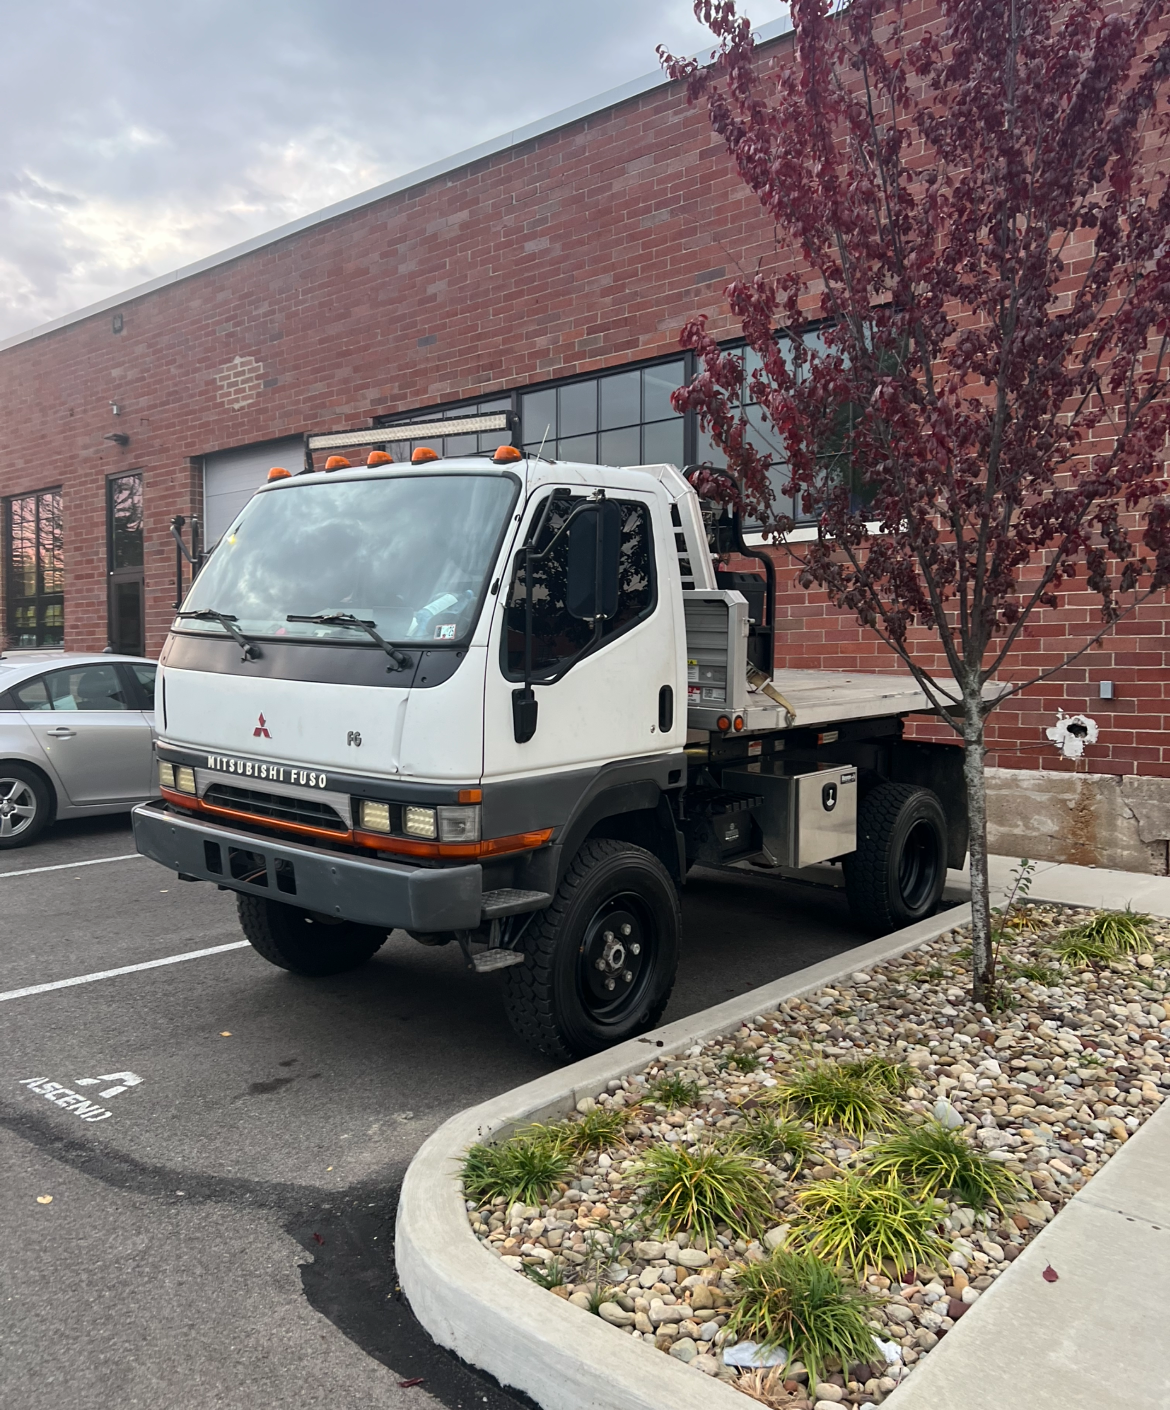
point(150, 136)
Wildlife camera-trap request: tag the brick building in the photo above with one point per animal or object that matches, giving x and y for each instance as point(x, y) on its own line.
point(547, 272)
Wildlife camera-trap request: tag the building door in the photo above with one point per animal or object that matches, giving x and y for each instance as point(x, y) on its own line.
point(232, 477)
point(127, 618)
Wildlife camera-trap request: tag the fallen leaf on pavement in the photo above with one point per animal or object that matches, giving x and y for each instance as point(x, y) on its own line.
point(44, 1199)
point(225, 1035)
point(1050, 1274)
point(405, 1385)
point(319, 1239)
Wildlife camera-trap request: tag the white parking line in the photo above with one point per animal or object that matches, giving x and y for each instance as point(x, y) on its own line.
point(68, 866)
point(125, 969)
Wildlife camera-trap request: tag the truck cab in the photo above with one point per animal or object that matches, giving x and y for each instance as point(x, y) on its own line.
point(505, 703)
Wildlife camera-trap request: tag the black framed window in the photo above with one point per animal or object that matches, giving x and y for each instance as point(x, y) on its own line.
point(124, 548)
point(34, 569)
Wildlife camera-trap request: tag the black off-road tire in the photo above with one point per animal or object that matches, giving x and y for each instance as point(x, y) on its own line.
point(292, 939)
point(555, 1001)
point(23, 789)
point(899, 869)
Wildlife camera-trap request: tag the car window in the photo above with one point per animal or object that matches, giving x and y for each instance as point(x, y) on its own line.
point(86, 688)
point(32, 695)
point(145, 676)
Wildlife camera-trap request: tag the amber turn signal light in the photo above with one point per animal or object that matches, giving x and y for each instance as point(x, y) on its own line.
point(723, 722)
point(505, 455)
point(422, 454)
point(379, 457)
point(278, 472)
point(738, 722)
point(337, 462)
point(470, 795)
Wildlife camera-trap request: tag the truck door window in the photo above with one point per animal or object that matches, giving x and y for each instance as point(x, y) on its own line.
point(556, 635)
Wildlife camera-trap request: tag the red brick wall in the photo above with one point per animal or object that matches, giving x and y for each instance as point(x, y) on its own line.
point(583, 249)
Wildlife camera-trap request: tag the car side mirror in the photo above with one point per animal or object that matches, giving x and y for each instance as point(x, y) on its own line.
point(595, 540)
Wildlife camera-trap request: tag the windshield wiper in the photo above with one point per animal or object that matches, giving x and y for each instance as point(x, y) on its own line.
point(228, 622)
point(347, 619)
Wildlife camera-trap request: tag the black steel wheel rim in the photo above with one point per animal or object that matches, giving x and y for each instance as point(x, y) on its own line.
point(918, 866)
point(616, 959)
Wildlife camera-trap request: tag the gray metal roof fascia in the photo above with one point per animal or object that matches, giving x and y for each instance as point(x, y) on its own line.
point(492, 147)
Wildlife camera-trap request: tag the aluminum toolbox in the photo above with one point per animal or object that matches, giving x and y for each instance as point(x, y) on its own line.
point(809, 813)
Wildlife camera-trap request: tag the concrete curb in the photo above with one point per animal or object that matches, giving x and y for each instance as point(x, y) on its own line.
point(475, 1306)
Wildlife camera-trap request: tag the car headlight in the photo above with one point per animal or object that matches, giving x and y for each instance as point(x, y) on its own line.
point(419, 822)
point(459, 824)
point(166, 774)
point(374, 817)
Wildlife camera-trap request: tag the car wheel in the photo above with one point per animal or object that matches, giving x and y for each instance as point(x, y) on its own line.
point(25, 805)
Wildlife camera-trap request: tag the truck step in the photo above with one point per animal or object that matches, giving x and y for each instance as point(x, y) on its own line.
point(488, 960)
point(509, 901)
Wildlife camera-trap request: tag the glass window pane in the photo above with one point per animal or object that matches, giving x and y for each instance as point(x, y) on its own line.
point(125, 522)
point(662, 443)
point(583, 448)
point(538, 414)
point(657, 385)
point(621, 447)
point(146, 678)
point(578, 408)
point(35, 570)
point(621, 397)
point(460, 445)
point(708, 453)
point(24, 547)
point(32, 695)
point(86, 688)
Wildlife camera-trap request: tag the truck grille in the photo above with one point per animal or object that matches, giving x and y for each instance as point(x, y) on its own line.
point(275, 807)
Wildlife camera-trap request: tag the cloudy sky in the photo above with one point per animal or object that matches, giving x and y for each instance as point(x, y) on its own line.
point(140, 136)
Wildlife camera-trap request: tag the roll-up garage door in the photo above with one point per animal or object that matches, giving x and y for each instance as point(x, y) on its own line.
point(232, 477)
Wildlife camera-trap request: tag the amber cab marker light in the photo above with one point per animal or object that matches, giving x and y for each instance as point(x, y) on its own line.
point(470, 795)
point(723, 723)
point(278, 472)
point(337, 462)
point(422, 454)
point(505, 455)
point(378, 457)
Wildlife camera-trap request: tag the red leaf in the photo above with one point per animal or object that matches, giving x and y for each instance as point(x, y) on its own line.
point(319, 1239)
point(405, 1385)
point(1050, 1274)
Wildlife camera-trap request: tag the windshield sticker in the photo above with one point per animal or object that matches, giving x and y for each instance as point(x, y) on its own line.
point(446, 632)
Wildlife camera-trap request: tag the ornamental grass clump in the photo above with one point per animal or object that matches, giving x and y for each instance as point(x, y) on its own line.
point(769, 1138)
point(1107, 936)
point(880, 1072)
point(675, 1091)
point(860, 1223)
point(934, 1160)
point(833, 1094)
point(702, 1190)
point(593, 1131)
point(796, 1301)
point(526, 1167)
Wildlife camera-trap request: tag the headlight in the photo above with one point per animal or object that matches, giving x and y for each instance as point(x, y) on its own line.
point(166, 774)
point(185, 779)
point(375, 817)
point(419, 822)
point(459, 824)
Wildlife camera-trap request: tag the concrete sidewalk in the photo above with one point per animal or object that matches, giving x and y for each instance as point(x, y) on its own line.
point(1093, 1339)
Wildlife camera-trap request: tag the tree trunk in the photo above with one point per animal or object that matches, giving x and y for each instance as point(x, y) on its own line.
point(982, 959)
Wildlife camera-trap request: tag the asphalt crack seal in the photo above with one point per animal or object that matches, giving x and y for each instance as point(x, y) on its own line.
point(350, 1278)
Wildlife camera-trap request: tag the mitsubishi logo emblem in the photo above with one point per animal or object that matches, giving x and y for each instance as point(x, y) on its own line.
point(261, 730)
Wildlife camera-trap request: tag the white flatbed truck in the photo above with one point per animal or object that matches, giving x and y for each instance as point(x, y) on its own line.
point(506, 702)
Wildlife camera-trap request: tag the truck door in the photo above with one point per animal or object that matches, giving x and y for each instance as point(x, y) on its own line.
point(97, 740)
point(607, 703)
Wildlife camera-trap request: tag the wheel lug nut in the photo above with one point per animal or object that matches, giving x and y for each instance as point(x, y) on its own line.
point(628, 975)
point(626, 929)
point(608, 936)
point(635, 948)
point(609, 983)
point(599, 964)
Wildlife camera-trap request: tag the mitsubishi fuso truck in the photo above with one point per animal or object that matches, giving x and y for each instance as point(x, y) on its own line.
point(507, 703)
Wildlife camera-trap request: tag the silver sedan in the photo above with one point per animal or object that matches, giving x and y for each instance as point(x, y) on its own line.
point(76, 738)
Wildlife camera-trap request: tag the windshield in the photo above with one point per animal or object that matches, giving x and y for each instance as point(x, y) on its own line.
point(410, 554)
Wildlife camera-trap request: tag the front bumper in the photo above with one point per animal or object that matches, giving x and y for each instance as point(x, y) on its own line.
point(385, 894)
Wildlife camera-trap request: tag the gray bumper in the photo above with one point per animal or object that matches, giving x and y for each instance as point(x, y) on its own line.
point(374, 893)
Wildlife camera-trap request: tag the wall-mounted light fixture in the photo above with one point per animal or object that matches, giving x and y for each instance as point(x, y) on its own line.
point(1105, 690)
point(117, 323)
point(115, 409)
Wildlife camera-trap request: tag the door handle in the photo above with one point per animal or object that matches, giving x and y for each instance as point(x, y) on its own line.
point(61, 732)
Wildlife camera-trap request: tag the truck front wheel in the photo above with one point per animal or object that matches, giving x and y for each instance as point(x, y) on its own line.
point(601, 958)
point(294, 940)
point(898, 871)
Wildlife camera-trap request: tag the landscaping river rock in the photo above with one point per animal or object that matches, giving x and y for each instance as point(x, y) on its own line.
point(1040, 1093)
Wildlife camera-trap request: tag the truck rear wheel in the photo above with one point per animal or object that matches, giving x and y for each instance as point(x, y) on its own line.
point(304, 944)
point(898, 871)
point(602, 957)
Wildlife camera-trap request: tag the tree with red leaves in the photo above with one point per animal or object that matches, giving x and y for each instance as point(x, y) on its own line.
point(973, 221)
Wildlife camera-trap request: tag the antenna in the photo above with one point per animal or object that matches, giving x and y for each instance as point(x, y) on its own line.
point(540, 452)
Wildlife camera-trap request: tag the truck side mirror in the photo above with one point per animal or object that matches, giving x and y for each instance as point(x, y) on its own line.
point(595, 540)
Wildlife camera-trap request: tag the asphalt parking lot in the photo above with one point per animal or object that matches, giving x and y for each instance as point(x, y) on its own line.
point(223, 1235)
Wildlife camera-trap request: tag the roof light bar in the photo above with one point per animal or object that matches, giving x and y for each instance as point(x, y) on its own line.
point(412, 431)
